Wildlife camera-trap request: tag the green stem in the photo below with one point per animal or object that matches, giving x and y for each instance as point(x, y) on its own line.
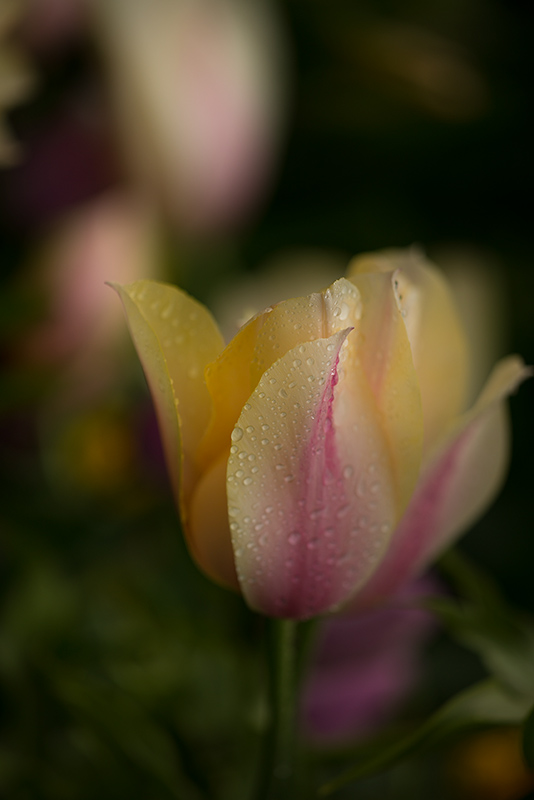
point(278, 780)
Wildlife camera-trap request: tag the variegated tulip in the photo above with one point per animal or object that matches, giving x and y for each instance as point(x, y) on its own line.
point(325, 453)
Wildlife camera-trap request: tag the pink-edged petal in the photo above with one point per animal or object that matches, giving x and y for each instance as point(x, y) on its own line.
point(175, 337)
point(310, 488)
point(383, 348)
point(456, 486)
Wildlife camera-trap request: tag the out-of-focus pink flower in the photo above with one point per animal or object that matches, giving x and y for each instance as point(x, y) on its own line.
point(115, 235)
point(326, 454)
point(198, 95)
point(364, 666)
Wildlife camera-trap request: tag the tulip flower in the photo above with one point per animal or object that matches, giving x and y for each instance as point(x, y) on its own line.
point(325, 454)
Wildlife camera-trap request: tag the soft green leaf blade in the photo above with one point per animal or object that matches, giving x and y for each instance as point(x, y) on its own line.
point(484, 622)
point(486, 704)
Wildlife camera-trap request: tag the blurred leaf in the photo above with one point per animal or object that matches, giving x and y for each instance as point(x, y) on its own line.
point(124, 724)
point(483, 621)
point(484, 705)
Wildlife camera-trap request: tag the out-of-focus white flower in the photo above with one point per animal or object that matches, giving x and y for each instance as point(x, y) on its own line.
point(198, 96)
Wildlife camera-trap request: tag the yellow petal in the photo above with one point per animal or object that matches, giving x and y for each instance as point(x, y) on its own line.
point(228, 381)
point(209, 532)
point(383, 347)
point(437, 339)
point(175, 337)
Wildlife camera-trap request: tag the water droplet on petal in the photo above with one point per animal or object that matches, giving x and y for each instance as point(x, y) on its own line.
point(237, 434)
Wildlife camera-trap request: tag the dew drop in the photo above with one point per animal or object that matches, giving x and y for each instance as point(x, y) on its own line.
point(250, 429)
point(237, 434)
point(293, 538)
point(341, 512)
point(344, 311)
point(282, 393)
point(247, 481)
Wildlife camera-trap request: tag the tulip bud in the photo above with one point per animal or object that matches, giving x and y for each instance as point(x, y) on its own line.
point(325, 454)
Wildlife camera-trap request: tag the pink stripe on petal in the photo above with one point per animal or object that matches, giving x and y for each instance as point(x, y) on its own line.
point(420, 528)
point(455, 488)
point(293, 495)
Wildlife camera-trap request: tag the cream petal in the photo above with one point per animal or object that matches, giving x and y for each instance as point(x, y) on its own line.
point(383, 348)
point(310, 488)
point(437, 339)
point(175, 337)
point(457, 485)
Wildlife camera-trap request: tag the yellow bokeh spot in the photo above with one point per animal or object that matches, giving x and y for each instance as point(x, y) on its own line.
point(490, 766)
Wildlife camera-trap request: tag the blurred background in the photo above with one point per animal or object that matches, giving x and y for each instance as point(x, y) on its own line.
point(245, 150)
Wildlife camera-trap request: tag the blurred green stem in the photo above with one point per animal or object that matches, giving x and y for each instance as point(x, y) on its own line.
point(278, 780)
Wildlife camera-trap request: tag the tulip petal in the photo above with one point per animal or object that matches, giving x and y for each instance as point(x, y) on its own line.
point(229, 383)
point(386, 357)
point(175, 337)
point(437, 339)
point(209, 533)
point(458, 484)
point(310, 487)
point(262, 341)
